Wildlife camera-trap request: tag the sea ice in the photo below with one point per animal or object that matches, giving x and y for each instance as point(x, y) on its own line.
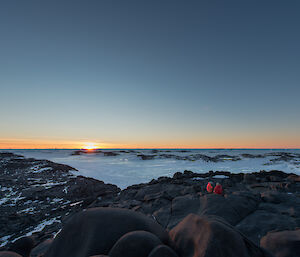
point(127, 168)
point(220, 176)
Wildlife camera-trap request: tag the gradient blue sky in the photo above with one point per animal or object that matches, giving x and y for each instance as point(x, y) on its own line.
point(160, 73)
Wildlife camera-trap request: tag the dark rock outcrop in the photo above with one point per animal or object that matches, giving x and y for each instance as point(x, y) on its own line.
point(200, 236)
point(23, 246)
point(38, 193)
point(282, 244)
point(162, 251)
point(135, 244)
point(257, 224)
point(41, 248)
point(9, 254)
point(95, 231)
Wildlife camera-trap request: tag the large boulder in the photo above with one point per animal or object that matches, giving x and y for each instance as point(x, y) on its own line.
point(9, 254)
point(249, 178)
point(233, 208)
point(96, 230)
point(260, 222)
point(181, 207)
point(162, 251)
point(200, 236)
point(282, 244)
point(135, 244)
point(41, 248)
point(23, 246)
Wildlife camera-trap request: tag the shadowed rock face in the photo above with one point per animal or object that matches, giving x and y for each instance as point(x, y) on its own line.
point(99, 255)
point(162, 251)
point(277, 211)
point(232, 208)
point(200, 236)
point(135, 244)
point(40, 249)
point(23, 246)
point(283, 243)
point(9, 254)
point(95, 231)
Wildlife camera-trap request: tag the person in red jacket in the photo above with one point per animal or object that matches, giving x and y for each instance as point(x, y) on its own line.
point(210, 187)
point(218, 189)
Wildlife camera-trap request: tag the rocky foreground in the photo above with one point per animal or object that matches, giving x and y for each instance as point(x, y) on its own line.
point(165, 217)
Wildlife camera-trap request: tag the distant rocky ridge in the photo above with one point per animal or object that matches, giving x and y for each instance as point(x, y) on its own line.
point(189, 155)
point(42, 196)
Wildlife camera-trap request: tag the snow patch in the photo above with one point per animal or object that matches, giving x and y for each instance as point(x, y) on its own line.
point(220, 176)
point(3, 200)
point(198, 178)
point(65, 190)
point(42, 225)
point(50, 184)
point(4, 189)
point(4, 240)
point(11, 198)
point(73, 204)
point(37, 169)
point(28, 210)
point(56, 200)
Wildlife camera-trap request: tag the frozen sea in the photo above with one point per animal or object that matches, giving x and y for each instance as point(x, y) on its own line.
point(127, 168)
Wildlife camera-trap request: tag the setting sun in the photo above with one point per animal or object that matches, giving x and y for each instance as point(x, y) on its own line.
point(90, 146)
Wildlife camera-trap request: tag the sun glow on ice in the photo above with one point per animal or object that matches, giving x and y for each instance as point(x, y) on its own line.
point(90, 146)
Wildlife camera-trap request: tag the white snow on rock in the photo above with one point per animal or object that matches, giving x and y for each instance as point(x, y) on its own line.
point(73, 204)
point(4, 200)
point(11, 197)
point(198, 178)
point(4, 240)
point(3, 189)
point(43, 224)
point(65, 190)
point(27, 210)
point(37, 168)
point(57, 200)
point(49, 184)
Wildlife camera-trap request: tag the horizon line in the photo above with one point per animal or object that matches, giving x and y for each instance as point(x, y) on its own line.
point(171, 148)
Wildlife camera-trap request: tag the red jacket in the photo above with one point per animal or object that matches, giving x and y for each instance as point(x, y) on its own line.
point(209, 188)
point(218, 190)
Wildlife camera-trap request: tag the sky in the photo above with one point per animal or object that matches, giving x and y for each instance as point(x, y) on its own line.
point(149, 74)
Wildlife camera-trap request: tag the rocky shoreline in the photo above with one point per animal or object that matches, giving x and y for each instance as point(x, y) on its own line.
point(38, 197)
point(39, 193)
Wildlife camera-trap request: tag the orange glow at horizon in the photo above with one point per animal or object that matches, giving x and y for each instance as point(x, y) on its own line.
point(214, 144)
point(90, 146)
point(11, 143)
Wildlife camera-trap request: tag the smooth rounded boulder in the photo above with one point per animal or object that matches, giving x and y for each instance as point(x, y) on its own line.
point(23, 246)
point(135, 244)
point(162, 251)
point(41, 248)
point(201, 236)
point(101, 255)
point(9, 254)
point(283, 243)
point(95, 231)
